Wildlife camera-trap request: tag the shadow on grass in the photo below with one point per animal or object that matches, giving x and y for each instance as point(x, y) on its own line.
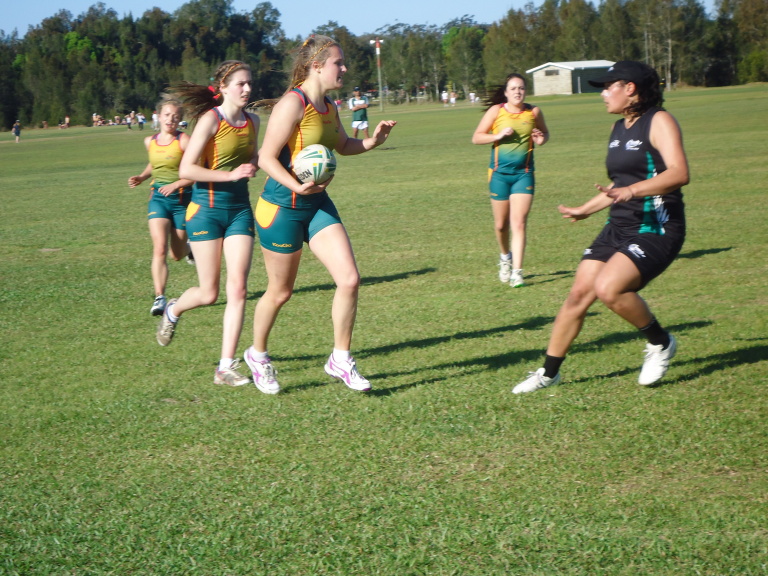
point(365, 281)
point(549, 277)
point(700, 253)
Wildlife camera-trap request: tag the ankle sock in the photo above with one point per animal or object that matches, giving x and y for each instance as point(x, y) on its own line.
point(656, 334)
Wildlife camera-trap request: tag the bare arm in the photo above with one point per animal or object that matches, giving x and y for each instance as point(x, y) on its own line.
point(347, 146)
point(190, 167)
point(482, 134)
point(134, 181)
point(595, 204)
point(540, 133)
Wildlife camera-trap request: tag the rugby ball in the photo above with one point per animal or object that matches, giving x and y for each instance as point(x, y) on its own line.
point(315, 163)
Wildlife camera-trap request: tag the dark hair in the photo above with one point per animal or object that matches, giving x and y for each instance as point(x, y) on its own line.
point(199, 99)
point(649, 94)
point(496, 94)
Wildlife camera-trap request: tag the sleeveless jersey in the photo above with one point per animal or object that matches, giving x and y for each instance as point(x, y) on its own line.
point(230, 147)
point(314, 128)
point(165, 160)
point(514, 153)
point(631, 158)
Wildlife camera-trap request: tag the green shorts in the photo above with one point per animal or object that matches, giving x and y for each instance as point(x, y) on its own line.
point(205, 223)
point(173, 207)
point(502, 186)
point(285, 230)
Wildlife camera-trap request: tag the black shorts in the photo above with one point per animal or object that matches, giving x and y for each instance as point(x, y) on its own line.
point(650, 253)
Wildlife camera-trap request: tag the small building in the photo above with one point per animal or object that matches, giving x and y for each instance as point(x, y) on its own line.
point(567, 77)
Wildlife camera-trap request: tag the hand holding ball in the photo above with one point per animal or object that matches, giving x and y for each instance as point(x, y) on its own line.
point(315, 163)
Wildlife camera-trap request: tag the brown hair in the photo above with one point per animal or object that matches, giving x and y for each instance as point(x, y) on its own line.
point(313, 49)
point(170, 100)
point(199, 99)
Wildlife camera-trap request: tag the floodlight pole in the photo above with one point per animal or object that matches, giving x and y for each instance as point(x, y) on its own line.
point(378, 43)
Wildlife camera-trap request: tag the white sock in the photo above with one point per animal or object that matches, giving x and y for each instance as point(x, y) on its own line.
point(226, 363)
point(341, 355)
point(171, 316)
point(259, 356)
point(506, 257)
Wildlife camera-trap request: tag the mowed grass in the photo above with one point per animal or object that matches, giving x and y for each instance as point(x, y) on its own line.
point(120, 457)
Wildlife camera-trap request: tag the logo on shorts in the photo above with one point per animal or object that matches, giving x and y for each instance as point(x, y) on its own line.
point(633, 144)
point(636, 251)
point(282, 245)
point(614, 144)
point(201, 233)
point(588, 252)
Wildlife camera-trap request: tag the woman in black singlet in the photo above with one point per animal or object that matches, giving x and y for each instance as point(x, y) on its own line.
point(647, 166)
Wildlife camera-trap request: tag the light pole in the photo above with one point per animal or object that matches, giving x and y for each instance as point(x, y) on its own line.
point(378, 43)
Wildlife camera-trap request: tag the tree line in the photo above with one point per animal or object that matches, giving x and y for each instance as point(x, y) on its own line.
point(100, 63)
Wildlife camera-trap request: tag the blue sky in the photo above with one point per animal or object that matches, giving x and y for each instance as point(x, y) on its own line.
point(298, 18)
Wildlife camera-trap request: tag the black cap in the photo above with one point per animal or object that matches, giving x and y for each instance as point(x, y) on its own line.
point(356, 89)
point(626, 70)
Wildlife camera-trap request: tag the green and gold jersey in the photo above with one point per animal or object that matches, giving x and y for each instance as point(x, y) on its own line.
point(165, 160)
point(514, 153)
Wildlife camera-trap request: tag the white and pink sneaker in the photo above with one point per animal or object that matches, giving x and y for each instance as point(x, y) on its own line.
point(346, 371)
point(264, 374)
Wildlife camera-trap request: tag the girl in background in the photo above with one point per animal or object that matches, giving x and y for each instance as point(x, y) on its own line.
point(513, 127)
point(168, 196)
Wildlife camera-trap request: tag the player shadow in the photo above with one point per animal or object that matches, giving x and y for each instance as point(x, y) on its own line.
point(364, 281)
point(548, 277)
point(469, 366)
point(700, 253)
point(631, 335)
point(698, 366)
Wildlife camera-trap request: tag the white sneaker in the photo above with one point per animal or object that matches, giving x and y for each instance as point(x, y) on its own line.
point(158, 306)
point(656, 362)
point(505, 270)
point(536, 381)
point(516, 278)
point(347, 373)
point(264, 374)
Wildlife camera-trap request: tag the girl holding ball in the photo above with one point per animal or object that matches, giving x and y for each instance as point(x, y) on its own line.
point(290, 213)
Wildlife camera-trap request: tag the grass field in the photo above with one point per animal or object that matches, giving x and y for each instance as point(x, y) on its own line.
point(120, 457)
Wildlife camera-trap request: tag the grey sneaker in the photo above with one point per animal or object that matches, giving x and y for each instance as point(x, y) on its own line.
point(516, 278)
point(166, 328)
point(656, 362)
point(158, 306)
point(536, 381)
point(505, 270)
point(264, 374)
point(230, 376)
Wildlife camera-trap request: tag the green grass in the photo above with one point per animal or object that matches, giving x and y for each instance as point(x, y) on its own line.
point(120, 457)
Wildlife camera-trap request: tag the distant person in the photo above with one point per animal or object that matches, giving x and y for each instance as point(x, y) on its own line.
point(155, 121)
point(220, 158)
point(16, 129)
point(513, 127)
point(444, 97)
point(453, 98)
point(290, 213)
point(645, 231)
point(359, 106)
point(169, 196)
point(141, 119)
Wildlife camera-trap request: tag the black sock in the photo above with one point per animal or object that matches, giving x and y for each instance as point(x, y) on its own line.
point(552, 365)
point(656, 334)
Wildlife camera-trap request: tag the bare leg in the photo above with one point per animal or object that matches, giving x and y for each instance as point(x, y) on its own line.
point(238, 253)
point(500, 209)
point(178, 243)
point(332, 247)
point(281, 276)
point(616, 288)
point(158, 231)
point(208, 257)
point(519, 208)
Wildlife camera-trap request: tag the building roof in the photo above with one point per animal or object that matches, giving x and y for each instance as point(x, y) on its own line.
point(577, 65)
